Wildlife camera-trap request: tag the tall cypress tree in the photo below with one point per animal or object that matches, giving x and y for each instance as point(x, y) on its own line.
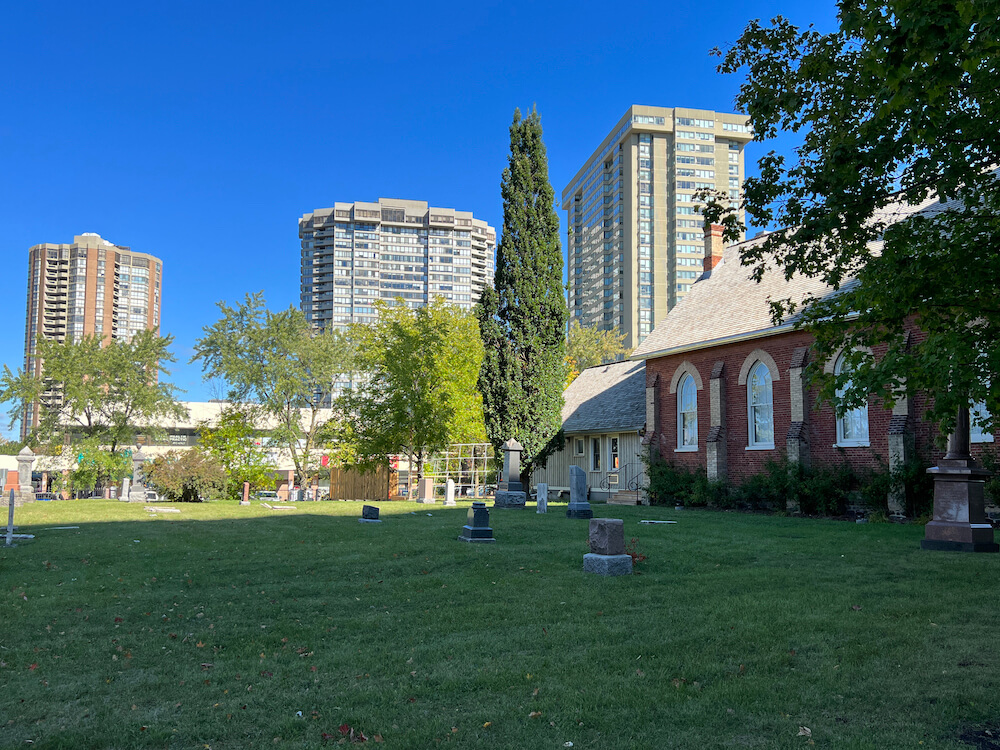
point(523, 318)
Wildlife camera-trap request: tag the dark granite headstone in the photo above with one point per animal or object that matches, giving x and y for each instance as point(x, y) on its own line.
point(477, 526)
point(607, 536)
point(607, 549)
point(369, 514)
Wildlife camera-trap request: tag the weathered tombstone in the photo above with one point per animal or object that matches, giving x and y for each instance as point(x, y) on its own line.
point(607, 549)
point(369, 514)
point(477, 526)
point(449, 493)
point(510, 491)
point(960, 523)
point(137, 493)
point(425, 491)
point(125, 489)
point(25, 492)
point(542, 497)
point(246, 494)
point(578, 505)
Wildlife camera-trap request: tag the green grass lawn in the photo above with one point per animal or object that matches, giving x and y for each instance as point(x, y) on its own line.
point(231, 627)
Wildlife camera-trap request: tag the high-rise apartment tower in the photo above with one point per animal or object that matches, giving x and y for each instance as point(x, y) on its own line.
point(355, 254)
point(89, 287)
point(635, 239)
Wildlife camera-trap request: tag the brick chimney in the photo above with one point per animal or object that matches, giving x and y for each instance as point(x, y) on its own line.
point(713, 246)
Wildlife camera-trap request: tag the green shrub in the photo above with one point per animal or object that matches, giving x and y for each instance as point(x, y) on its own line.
point(819, 491)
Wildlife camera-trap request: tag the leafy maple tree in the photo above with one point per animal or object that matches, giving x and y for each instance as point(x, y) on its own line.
point(896, 109)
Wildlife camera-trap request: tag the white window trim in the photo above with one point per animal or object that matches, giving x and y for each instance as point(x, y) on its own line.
point(751, 445)
point(590, 462)
point(580, 443)
point(612, 454)
point(978, 437)
point(843, 442)
point(681, 446)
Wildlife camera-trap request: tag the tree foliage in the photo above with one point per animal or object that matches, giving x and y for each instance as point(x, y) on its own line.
point(235, 444)
point(99, 392)
point(415, 390)
point(896, 109)
point(522, 319)
point(102, 390)
point(98, 467)
point(278, 362)
point(187, 476)
point(588, 347)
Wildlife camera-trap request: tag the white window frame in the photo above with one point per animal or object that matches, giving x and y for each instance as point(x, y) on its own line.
point(976, 433)
point(686, 381)
point(614, 453)
point(752, 442)
point(862, 411)
point(595, 454)
point(579, 447)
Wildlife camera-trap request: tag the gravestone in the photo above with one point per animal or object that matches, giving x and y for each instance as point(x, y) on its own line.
point(960, 523)
point(541, 497)
point(449, 493)
point(137, 492)
point(425, 491)
point(246, 494)
point(510, 491)
point(369, 514)
point(25, 492)
point(477, 525)
point(578, 505)
point(126, 483)
point(607, 549)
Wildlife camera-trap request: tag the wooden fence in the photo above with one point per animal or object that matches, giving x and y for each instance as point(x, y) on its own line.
point(351, 484)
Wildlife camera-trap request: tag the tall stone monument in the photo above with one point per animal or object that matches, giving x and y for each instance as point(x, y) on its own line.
point(960, 523)
point(24, 493)
point(579, 507)
point(510, 491)
point(137, 492)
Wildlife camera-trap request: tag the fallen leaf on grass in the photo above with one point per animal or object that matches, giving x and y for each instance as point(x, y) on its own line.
point(32, 667)
point(534, 714)
point(487, 725)
point(856, 607)
point(804, 732)
point(199, 644)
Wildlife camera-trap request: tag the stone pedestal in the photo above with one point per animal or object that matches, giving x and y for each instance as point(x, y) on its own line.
point(425, 491)
point(578, 505)
point(477, 526)
point(542, 497)
point(960, 523)
point(449, 494)
point(607, 549)
point(509, 499)
point(25, 492)
point(607, 565)
point(369, 514)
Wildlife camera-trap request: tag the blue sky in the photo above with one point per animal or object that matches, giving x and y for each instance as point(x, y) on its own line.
point(200, 131)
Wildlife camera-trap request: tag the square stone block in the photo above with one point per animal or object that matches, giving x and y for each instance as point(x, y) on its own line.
point(607, 565)
point(607, 536)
